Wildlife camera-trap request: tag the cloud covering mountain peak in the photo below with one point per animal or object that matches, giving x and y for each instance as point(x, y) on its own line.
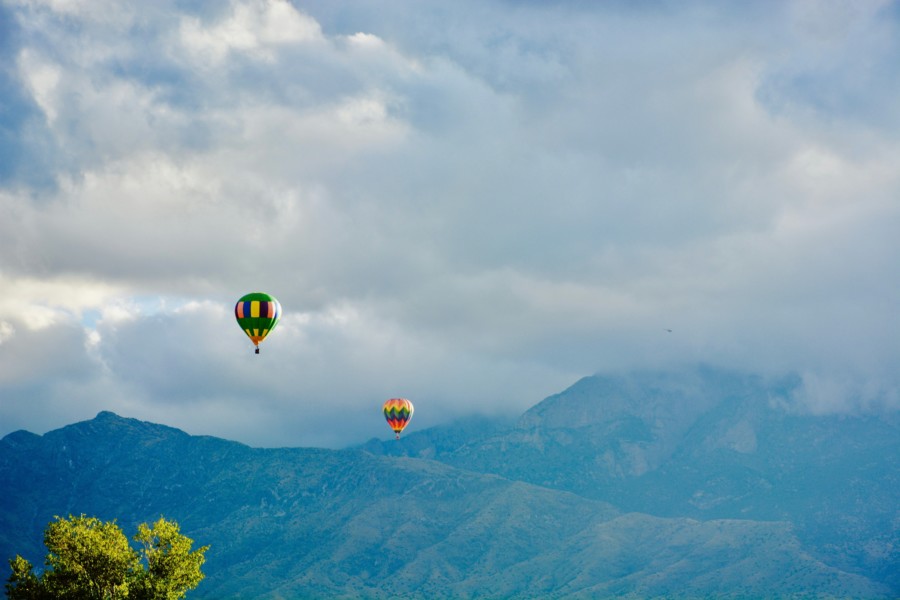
point(473, 205)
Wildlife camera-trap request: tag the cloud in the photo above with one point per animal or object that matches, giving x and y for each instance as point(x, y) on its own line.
point(840, 57)
point(250, 28)
point(472, 205)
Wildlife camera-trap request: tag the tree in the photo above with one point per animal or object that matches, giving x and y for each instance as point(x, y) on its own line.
point(172, 569)
point(92, 560)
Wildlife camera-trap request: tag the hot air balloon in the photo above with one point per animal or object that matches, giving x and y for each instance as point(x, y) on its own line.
point(398, 412)
point(257, 314)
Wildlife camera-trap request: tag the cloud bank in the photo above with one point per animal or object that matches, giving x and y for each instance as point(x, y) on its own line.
point(471, 205)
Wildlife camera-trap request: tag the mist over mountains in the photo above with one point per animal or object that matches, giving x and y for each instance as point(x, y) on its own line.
point(705, 444)
point(700, 483)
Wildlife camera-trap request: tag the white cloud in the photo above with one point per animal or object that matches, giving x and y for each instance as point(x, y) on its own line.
point(7, 331)
point(366, 41)
point(256, 28)
point(831, 20)
point(103, 12)
point(42, 302)
point(469, 205)
point(43, 79)
point(838, 393)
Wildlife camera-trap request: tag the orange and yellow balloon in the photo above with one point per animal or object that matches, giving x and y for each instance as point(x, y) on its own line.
point(397, 413)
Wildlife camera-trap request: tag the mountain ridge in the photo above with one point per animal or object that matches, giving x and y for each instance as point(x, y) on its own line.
point(706, 444)
point(306, 522)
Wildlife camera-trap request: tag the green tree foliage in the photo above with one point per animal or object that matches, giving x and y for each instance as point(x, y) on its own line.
point(171, 567)
point(92, 560)
point(88, 559)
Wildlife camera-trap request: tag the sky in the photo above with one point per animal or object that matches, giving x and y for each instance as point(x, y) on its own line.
point(471, 204)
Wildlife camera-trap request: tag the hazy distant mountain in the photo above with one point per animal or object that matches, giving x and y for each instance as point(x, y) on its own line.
point(704, 444)
point(309, 523)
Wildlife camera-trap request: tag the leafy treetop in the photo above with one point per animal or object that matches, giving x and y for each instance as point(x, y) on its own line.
point(90, 559)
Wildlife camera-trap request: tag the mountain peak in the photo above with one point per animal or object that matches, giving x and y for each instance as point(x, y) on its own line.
point(113, 430)
point(661, 399)
point(106, 415)
point(106, 418)
point(20, 439)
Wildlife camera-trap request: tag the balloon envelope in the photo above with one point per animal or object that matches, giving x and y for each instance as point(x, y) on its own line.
point(257, 314)
point(398, 412)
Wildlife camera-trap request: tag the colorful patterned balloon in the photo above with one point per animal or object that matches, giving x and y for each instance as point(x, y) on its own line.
point(398, 412)
point(257, 314)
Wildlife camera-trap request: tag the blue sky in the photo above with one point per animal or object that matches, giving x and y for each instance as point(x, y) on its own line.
point(470, 204)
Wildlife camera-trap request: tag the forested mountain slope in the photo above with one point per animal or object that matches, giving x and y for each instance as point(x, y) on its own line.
point(514, 511)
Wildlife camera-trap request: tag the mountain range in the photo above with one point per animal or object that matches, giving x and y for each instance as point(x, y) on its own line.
point(692, 484)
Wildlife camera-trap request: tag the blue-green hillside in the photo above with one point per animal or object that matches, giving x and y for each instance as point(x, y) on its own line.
point(703, 484)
